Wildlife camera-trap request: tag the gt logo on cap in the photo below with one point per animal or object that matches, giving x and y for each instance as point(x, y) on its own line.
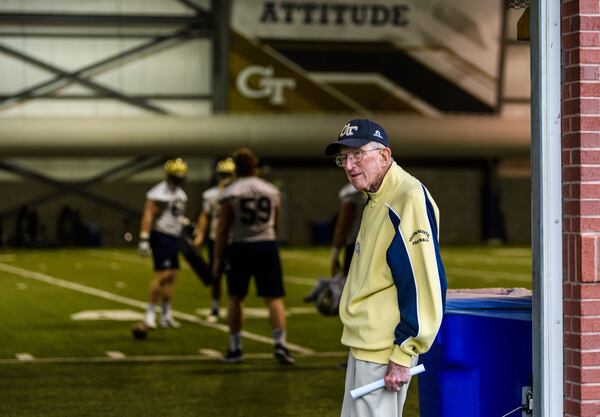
point(348, 130)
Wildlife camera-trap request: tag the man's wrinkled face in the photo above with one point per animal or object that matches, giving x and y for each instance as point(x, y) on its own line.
point(364, 167)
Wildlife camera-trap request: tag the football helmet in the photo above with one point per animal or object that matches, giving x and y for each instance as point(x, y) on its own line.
point(327, 294)
point(176, 168)
point(225, 166)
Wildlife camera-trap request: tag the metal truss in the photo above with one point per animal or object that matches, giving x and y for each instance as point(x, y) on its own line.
point(199, 25)
point(62, 188)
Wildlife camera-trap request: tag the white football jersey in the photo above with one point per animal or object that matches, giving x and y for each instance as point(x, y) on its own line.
point(349, 194)
point(174, 201)
point(254, 203)
point(210, 203)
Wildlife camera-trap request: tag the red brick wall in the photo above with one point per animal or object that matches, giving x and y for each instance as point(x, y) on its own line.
point(581, 204)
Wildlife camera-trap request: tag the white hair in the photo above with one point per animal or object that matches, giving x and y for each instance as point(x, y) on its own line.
point(376, 145)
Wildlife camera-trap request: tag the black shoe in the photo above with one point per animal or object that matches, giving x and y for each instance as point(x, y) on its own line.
point(233, 356)
point(213, 317)
point(283, 355)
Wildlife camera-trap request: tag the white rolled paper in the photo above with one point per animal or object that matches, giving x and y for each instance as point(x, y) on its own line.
point(365, 389)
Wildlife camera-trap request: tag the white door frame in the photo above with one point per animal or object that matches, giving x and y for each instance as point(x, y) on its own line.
point(546, 216)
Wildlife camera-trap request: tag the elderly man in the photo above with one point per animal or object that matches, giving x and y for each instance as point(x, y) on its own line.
point(393, 300)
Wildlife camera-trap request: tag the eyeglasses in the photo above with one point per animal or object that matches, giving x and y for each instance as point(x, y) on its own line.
point(354, 156)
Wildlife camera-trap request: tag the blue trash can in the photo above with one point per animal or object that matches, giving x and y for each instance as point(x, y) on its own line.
point(480, 360)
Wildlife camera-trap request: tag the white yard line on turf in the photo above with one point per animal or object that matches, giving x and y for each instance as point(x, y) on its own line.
point(210, 353)
point(308, 282)
point(23, 357)
point(120, 257)
point(165, 358)
point(25, 273)
point(117, 256)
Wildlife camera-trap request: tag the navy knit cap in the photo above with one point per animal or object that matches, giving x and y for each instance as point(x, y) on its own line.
point(357, 133)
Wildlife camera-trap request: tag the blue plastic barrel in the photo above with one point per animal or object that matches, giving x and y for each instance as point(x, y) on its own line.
point(480, 359)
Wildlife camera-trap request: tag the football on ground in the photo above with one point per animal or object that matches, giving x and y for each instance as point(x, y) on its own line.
point(139, 330)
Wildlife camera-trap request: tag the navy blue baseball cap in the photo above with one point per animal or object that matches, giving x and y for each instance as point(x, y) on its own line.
point(357, 133)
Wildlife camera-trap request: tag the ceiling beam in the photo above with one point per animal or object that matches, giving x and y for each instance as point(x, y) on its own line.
point(295, 136)
point(200, 19)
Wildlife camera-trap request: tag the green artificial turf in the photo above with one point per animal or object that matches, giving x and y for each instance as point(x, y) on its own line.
point(167, 374)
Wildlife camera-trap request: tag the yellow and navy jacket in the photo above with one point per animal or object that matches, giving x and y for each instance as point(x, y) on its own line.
point(393, 300)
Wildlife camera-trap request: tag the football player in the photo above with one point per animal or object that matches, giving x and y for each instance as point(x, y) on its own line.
point(208, 219)
point(352, 203)
point(248, 224)
point(161, 227)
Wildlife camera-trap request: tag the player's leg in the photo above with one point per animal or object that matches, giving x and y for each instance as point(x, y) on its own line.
point(171, 262)
point(155, 296)
point(166, 264)
point(269, 284)
point(276, 308)
point(215, 291)
point(235, 309)
point(235, 322)
point(238, 278)
point(168, 284)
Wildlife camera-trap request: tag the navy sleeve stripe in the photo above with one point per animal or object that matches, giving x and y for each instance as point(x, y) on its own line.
point(404, 279)
point(434, 229)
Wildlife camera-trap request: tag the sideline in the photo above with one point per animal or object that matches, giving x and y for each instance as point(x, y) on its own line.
point(160, 358)
point(37, 276)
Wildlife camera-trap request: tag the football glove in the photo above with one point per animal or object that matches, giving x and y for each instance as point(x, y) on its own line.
point(144, 247)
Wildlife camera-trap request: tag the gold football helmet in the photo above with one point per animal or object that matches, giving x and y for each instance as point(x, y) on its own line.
point(225, 166)
point(176, 168)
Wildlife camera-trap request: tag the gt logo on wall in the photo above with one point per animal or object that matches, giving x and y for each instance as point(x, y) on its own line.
point(257, 82)
point(263, 81)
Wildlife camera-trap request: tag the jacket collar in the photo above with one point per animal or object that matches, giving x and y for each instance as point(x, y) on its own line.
point(393, 177)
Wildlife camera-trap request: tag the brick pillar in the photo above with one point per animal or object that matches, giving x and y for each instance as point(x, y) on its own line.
point(580, 33)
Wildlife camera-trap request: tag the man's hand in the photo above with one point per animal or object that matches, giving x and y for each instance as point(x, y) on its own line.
point(396, 376)
point(144, 247)
point(144, 244)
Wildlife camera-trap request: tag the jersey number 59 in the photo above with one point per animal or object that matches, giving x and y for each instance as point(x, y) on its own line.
point(255, 210)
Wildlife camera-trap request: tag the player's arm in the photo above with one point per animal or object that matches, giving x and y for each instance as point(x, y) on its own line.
point(223, 230)
point(416, 266)
point(276, 219)
point(342, 229)
point(151, 209)
point(201, 225)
